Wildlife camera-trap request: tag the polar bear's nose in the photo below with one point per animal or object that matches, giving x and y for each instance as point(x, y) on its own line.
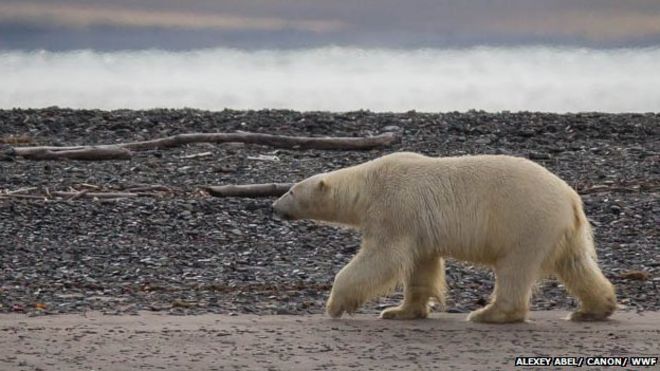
point(277, 213)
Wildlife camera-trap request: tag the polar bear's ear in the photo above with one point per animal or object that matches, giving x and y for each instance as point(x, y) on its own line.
point(323, 185)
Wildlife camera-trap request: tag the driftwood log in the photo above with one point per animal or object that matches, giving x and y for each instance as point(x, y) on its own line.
point(122, 151)
point(249, 190)
point(277, 141)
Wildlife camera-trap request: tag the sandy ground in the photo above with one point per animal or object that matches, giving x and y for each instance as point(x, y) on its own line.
point(215, 342)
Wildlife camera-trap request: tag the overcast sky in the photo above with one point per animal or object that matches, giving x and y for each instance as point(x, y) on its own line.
point(191, 24)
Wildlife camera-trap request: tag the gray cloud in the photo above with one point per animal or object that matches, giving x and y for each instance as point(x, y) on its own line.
point(292, 23)
point(76, 16)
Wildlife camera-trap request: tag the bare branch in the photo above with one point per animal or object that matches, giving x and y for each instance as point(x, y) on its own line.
point(20, 195)
point(91, 153)
point(22, 190)
point(650, 186)
point(78, 195)
point(148, 188)
point(197, 155)
point(83, 194)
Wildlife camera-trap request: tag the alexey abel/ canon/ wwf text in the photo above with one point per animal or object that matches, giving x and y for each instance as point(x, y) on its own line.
point(628, 361)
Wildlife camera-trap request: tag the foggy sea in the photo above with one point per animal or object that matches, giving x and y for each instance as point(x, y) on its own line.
point(338, 79)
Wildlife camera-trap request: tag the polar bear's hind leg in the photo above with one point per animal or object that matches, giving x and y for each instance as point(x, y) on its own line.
point(515, 275)
point(577, 268)
point(584, 280)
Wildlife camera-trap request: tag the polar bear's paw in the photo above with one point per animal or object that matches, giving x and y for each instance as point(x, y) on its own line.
point(336, 307)
point(492, 314)
point(405, 312)
point(580, 316)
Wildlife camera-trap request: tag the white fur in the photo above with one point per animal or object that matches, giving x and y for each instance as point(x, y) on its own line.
point(505, 212)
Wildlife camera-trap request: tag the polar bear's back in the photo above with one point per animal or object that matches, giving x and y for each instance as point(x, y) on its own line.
point(498, 174)
point(472, 204)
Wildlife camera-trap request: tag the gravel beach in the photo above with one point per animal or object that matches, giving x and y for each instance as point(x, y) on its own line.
point(185, 252)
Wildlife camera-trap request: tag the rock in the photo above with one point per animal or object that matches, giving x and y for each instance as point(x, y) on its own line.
point(392, 128)
point(539, 156)
point(635, 275)
point(482, 141)
point(615, 209)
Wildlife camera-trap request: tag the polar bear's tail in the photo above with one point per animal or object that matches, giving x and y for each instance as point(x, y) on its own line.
point(578, 269)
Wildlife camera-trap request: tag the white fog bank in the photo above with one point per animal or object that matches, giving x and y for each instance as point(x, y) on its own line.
point(338, 79)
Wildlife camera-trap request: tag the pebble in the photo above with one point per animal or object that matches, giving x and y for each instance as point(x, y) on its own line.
point(392, 128)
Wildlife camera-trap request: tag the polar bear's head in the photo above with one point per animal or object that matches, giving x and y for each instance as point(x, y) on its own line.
point(308, 199)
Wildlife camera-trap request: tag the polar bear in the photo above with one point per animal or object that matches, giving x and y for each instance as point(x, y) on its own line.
point(505, 212)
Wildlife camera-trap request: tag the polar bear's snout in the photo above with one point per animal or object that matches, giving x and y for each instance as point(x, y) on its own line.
point(280, 210)
point(279, 214)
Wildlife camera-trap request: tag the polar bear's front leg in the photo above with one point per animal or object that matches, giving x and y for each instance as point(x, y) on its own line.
point(426, 281)
point(373, 271)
